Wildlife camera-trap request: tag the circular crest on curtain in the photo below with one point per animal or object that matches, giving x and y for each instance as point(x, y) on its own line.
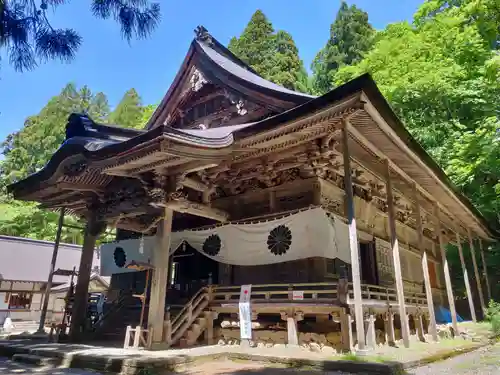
point(212, 245)
point(279, 240)
point(120, 257)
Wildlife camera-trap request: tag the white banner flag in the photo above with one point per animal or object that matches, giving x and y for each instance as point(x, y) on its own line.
point(245, 312)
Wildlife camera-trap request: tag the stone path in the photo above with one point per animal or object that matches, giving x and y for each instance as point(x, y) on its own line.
point(7, 367)
point(485, 361)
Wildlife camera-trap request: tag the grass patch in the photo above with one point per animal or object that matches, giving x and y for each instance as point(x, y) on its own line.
point(356, 358)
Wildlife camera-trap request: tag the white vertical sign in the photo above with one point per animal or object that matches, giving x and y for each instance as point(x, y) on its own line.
point(245, 312)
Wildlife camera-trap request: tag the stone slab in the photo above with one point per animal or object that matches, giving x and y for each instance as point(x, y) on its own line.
point(132, 361)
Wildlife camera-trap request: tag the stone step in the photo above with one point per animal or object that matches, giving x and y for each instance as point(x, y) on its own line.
point(33, 359)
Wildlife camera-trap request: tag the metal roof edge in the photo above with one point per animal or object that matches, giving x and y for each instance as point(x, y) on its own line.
point(38, 242)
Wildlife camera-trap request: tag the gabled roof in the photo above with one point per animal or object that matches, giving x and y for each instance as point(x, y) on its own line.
point(220, 66)
point(97, 142)
point(24, 259)
point(104, 280)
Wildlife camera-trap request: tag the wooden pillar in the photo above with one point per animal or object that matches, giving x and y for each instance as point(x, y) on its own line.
point(476, 272)
point(446, 271)
point(48, 287)
point(161, 250)
point(466, 278)
point(425, 267)
point(485, 269)
point(396, 258)
point(79, 311)
point(353, 242)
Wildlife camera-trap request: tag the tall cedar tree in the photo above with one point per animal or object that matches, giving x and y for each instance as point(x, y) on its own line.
point(129, 112)
point(351, 36)
point(442, 77)
point(29, 149)
point(273, 55)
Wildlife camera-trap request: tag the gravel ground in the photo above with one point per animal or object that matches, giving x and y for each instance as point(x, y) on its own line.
point(484, 361)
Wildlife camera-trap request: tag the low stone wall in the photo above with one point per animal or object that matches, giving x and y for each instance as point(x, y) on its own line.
point(330, 342)
point(319, 336)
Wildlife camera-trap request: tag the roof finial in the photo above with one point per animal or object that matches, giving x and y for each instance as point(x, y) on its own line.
point(203, 35)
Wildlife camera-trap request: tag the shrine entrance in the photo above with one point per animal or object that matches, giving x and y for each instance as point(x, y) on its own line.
point(190, 271)
point(369, 271)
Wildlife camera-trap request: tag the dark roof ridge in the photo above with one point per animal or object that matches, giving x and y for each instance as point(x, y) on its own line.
point(81, 125)
point(202, 35)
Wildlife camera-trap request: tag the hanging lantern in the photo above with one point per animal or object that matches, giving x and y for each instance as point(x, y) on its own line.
point(141, 245)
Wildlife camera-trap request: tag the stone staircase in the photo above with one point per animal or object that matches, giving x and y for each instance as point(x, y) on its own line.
point(183, 326)
point(24, 326)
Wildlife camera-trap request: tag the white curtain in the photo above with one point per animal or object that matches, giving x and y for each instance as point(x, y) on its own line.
point(306, 234)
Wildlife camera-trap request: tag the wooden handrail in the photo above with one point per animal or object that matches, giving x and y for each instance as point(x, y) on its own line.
point(186, 306)
point(173, 331)
point(313, 292)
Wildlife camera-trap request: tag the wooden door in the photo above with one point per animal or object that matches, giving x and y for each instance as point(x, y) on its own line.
point(432, 274)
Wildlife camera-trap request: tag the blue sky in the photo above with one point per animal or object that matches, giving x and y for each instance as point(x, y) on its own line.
point(109, 64)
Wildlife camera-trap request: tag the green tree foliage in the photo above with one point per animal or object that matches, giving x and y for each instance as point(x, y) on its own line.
point(273, 55)
point(351, 36)
point(147, 112)
point(27, 35)
point(129, 112)
point(442, 76)
point(29, 149)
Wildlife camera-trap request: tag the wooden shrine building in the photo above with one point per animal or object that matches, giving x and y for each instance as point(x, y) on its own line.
point(226, 152)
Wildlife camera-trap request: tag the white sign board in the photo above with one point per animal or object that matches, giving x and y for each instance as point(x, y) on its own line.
point(245, 292)
point(245, 312)
point(298, 295)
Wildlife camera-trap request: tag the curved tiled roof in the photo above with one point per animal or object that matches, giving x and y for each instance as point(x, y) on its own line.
point(97, 142)
point(246, 75)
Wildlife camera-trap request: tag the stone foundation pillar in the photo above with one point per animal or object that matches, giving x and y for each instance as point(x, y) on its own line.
point(419, 323)
point(346, 330)
point(389, 328)
point(210, 316)
point(291, 326)
point(371, 337)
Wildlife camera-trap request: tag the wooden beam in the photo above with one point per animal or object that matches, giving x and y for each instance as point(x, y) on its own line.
point(400, 143)
point(194, 184)
point(376, 151)
point(396, 258)
point(466, 278)
point(198, 209)
point(425, 268)
point(353, 243)
point(476, 271)
point(446, 269)
point(485, 268)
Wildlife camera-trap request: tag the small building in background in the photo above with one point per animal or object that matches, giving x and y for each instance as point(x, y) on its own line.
point(24, 270)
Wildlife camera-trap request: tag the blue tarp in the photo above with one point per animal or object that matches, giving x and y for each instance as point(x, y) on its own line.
point(443, 315)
